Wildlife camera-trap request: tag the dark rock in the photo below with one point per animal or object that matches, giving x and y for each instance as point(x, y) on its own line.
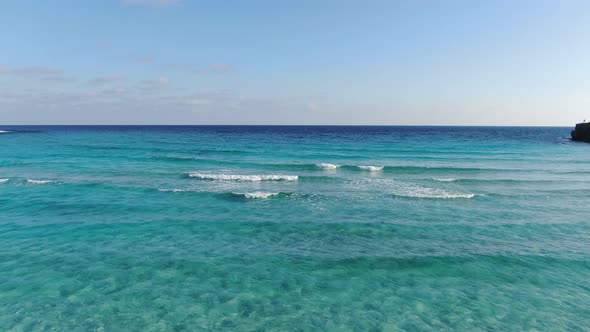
point(582, 132)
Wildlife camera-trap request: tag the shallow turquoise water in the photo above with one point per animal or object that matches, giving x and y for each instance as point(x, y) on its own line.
point(249, 228)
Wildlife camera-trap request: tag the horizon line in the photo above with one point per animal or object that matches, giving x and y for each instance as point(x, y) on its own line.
point(284, 125)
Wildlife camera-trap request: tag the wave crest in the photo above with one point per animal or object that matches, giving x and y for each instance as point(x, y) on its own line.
point(371, 168)
point(257, 195)
point(444, 179)
point(327, 166)
point(31, 181)
point(415, 191)
point(238, 177)
point(4, 180)
point(174, 190)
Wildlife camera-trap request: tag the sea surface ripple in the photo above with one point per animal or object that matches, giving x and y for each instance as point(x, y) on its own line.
point(181, 228)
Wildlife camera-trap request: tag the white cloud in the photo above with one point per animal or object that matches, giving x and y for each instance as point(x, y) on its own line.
point(104, 80)
point(215, 68)
point(200, 101)
point(30, 71)
point(143, 58)
point(154, 84)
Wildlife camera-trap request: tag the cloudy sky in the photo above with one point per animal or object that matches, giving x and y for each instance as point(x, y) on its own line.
point(295, 62)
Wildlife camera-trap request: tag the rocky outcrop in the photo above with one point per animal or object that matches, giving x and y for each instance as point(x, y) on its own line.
point(582, 132)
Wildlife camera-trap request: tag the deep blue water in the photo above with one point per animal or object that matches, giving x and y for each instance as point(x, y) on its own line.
point(182, 228)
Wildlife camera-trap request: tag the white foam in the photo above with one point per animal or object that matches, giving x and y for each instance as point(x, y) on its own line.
point(258, 195)
point(327, 166)
point(38, 181)
point(4, 180)
point(411, 190)
point(444, 179)
point(237, 177)
point(371, 168)
point(174, 190)
point(5, 131)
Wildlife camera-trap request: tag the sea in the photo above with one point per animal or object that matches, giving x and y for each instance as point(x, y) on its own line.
point(293, 228)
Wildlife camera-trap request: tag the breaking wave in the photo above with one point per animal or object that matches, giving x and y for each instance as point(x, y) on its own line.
point(371, 168)
point(257, 195)
point(4, 180)
point(422, 169)
point(415, 191)
point(238, 177)
point(327, 166)
point(444, 179)
point(173, 190)
point(31, 181)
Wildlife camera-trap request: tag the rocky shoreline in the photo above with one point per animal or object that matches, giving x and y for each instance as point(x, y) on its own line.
point(581, 132)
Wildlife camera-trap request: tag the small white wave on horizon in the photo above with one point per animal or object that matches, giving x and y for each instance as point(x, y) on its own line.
point(31, 181)
point(371, 168)
point(327, 166)
point(444, 179)
point(4, 180)
point(5, 131)
point(238, 177)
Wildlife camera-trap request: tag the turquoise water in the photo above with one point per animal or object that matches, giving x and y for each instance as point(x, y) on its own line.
point(279, 228)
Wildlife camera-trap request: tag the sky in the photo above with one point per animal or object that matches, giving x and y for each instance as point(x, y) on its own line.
point(286, 62)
